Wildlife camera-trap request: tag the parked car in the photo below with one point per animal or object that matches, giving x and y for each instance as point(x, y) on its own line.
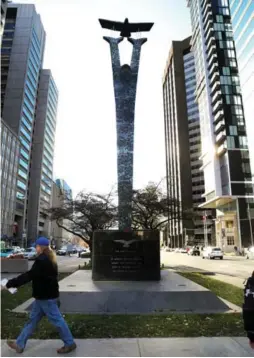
point(6, 253)
point(183, 251)
point(30, 253)
point(85, 254)
point(212, 253)
point(62, 251)
point(168, 249)
point(194, 251)
point(250, 253)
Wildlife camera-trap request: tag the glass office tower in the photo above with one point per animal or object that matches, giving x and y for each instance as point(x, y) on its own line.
point(224, 146)
point(242, 15)
point(41, 172)
point(22, 56)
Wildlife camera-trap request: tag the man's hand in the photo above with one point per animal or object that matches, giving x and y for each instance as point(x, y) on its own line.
point(252, 345)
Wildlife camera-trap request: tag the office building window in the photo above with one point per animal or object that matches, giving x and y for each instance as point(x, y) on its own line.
point(20, 195)
point(230, 240)
point(21, 185)
point(22, 174)
point(231, 142)
point(233, 130)
point(243, 142)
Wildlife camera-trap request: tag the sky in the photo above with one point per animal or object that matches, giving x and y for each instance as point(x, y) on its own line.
point(85, 148)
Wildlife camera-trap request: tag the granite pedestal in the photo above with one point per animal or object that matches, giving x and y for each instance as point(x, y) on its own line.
point(172, 294)
point(126, 256)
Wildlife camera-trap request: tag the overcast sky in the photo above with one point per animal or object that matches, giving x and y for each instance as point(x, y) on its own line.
point(85, 151)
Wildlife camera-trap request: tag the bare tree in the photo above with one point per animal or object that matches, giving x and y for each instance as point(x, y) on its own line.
point(85, 214)
point(152, 208)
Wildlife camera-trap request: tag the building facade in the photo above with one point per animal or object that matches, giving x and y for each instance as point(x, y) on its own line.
point(242, 15)
point(224, 147)
point(9, 169)
point(183, 147)
point(3, 15)
point(41, 172)
point(61, 192)
point(65, 188)
point(28, 105)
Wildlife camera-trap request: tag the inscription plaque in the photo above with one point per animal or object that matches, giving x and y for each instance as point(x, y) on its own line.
point(126, 255)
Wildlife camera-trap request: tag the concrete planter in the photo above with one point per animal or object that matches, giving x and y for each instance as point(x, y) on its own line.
point(14, 265)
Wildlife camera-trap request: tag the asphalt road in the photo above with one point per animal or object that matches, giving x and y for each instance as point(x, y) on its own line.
point(66, 263)
point(230, 266)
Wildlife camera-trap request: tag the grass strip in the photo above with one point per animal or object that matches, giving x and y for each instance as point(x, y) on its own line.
point(119, 326)
point(224, 290)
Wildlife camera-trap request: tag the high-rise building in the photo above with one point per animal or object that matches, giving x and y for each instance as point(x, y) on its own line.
point(61, 192)
point(65, 188)
point(9, 170)
point(22, 56)
point(242, 15)
point(224, 147)
point(185, 180)
point(41, 171)
point(28, 106)
point(3, 14)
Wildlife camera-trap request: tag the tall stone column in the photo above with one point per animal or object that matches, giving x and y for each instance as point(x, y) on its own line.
point(125, 83)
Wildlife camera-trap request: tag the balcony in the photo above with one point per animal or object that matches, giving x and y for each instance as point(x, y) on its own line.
point(217, 106)
point(209, 33)
point(210, 41)
point(212, 50)
point(208, 25)
point(213, 59)
point(217, 96)
point(219, 127)
point(215, 76)
point(222, 149)
point(218, 116)
point(206, 6)
point(220, 138)
point(207, 14)
point(215, 86)
point(213, 68)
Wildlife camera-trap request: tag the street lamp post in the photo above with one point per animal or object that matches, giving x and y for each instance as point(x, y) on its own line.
point(205, 230)
point(249, 218)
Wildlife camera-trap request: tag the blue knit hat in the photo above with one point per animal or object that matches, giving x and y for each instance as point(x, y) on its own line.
point(42, 241)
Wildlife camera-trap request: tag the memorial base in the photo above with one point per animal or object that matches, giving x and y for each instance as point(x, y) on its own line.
point(126, 256)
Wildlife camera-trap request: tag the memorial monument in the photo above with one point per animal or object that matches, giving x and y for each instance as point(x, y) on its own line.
point(125, 254)
point(125, 83)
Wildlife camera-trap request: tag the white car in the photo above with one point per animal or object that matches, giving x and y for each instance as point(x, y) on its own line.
point(30, 253)
point(212, 253)
point(250, 253)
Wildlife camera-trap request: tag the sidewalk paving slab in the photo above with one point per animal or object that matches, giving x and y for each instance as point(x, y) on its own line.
point(142, 347)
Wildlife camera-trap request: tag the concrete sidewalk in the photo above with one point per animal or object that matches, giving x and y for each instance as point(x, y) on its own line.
point(142, 347)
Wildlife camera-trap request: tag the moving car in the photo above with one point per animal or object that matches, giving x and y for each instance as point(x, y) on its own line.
point(250, 253)
point(212, 253)
point(30, 253)
point(194, 251)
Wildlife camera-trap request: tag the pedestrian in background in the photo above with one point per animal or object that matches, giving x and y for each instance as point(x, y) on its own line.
point(248, 309)
point(44, 277)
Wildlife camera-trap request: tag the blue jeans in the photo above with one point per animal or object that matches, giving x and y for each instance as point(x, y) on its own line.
point(50, 309)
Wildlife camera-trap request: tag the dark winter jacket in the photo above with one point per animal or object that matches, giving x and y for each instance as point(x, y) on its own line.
point(43, 275)
point(248, 308)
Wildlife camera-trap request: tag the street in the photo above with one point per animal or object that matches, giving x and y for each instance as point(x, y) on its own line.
point(235, 269)
point(67, 263)
point(231, 266)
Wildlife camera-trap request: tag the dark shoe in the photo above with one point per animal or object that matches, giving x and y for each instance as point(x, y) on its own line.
point(67, 349)
point(15, 347)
